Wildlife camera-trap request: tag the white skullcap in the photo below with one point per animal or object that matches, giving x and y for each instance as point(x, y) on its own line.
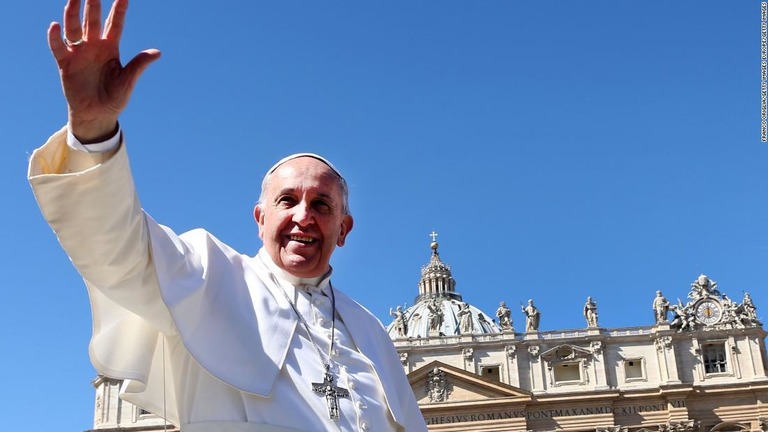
point(298, 155)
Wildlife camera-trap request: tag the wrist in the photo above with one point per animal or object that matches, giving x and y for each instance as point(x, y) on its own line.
point(93, 131)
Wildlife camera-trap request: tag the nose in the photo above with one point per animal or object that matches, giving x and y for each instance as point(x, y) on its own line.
point(302, 214)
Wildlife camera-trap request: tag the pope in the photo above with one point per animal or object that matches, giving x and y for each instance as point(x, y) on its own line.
point(209, 338)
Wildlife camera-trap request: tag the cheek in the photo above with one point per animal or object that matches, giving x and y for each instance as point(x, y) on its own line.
point(266, 227)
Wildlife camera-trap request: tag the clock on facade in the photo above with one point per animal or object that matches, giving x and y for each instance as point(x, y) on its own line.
point(708, 312)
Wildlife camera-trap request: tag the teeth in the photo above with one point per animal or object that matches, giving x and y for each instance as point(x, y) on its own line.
point(302, 239)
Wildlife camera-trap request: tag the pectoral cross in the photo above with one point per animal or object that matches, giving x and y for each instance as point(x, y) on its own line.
point(331, 392)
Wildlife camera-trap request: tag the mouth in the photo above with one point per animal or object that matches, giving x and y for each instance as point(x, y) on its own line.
point(302, 239)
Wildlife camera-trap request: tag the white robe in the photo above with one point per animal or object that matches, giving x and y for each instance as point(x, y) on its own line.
point(235, 357)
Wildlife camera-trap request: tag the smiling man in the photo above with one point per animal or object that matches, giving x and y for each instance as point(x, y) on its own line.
point(303, 213)
point(212, 339)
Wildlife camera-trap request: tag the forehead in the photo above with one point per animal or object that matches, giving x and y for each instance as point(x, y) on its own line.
point(305, 173)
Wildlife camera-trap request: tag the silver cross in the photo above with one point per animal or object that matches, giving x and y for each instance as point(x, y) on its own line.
point(331, 392)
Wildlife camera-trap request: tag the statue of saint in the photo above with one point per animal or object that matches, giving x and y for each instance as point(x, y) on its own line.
point(660, 308)
point(505, 316)
point(435, 316)
point(590, 312)
point(532, 316)
point(465, 319)
point(401, 325)
point(730, 312)
point(748, 310)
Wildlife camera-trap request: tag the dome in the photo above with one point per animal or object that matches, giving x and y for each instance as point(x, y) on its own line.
point(439, 309)
point(418, 319)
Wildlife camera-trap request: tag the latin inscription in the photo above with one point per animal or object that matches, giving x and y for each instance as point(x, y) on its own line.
point(551, 413)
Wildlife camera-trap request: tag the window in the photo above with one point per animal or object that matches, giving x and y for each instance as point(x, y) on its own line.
point(714, 359)
point(140, 415)
point(144, 414)
point(490, 373)
point(633, 369)
point(567, 372)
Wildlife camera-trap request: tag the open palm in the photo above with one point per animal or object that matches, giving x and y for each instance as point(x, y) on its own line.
point(96, 85)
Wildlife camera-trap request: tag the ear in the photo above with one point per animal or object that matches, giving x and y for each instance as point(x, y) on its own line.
point(346, 227)
point(258, 216)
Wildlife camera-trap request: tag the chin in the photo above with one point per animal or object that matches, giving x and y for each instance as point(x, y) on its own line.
point(302, 267)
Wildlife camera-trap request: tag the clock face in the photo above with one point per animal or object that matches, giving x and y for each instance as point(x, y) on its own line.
point(708, 312)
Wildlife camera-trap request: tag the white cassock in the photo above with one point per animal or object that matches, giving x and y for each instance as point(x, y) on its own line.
point(200, 332)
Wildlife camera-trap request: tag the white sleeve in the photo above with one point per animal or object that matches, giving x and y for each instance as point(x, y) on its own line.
point(98, 147)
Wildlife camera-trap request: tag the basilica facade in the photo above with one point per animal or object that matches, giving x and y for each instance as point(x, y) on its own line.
point(702, 366)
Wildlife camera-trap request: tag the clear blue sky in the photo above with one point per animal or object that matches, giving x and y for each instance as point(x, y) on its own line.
point(560, 150)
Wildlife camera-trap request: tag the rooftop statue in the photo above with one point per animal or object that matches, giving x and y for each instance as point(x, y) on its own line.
point(401, 324)
point(748, 309)
point(532, 316)
point(660, 308)
point(505, 317)
point(590, 312)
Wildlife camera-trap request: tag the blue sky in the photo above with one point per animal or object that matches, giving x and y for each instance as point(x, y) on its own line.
point(560, 149)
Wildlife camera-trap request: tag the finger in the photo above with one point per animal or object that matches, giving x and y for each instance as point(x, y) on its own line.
point(113, 29)
point(92, 19)
point(138, 65)
point(57, 46)
point(72, 28)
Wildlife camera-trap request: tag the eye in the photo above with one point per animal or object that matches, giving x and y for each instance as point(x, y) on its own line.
point(285, 200)
point(322, 206)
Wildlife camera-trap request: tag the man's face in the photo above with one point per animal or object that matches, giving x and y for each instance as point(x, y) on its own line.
point(301, 218)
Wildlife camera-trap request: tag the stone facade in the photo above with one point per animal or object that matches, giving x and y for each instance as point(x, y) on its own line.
point(112, 414)
point(641, 378)
point(702, 369)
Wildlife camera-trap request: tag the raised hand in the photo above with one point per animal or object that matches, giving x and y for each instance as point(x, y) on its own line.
point(96, 85)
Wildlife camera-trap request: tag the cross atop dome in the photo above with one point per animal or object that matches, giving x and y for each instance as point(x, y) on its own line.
point(433, 245)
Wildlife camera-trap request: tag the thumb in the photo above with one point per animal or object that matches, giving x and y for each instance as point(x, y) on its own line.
point(138, 65)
